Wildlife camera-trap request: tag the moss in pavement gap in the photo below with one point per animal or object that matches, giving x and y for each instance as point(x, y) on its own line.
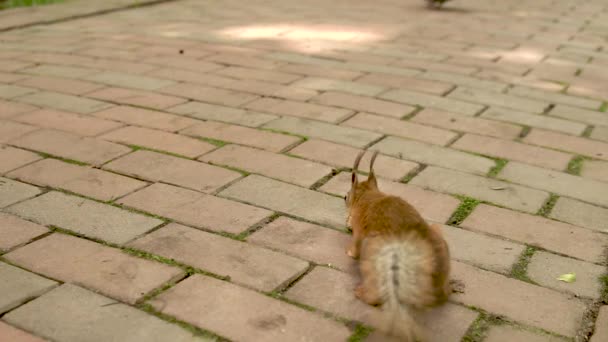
point(196, 331)
point(360, 334)
point(520, 268)
point(545, 210)
point(524, 132)
point(604, 107)
point(218, 143)
point(138, 148)
point(479, 328)
point(587, 131)
point(575, 165)
point(66, 160)
point(413, 174)
point(413, 113)
point(604, 292)
point(500, 164)
point(26, 3)
point(465, 208)
point(278, 131)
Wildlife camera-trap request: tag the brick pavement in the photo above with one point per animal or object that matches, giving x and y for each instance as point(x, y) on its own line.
point(181, 165)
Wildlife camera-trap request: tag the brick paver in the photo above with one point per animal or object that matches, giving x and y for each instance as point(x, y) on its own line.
point(104, 269)
point(18, 286)
point(61, 314)
point(218, 139)
point(11, 333)
point(244, 263)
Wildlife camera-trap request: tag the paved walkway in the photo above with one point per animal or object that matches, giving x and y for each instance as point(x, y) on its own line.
point(174, 172)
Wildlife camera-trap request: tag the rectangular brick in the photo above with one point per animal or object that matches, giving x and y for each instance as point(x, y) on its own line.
point(237, 59)
point(245, 264)
point(104, 269)
point(268, 89)
point(289, 199)
point(137, 98)
point(124, 80)
point(306, 241)
point(310, 128)
point(320, 71)
point(342, 156)
point(11, 109)
point(463, 80)
point(270, 141)
point(405, 82)
point(59, 71)
point(299, 109)
point(481, 250)
point(327, 84)
point(12, 191)
point(545, 268)
point(498, 99)
point(61, 314)
point(434, 155)
point(209, 94)
point(363, 103)
point(258, 74)
point(12, 158)
point(83, 216)
point(384, 69)
point(196, 209)
point(159, 140)
point(512, 150)
point(548, 96)
point(195, 300)
point(60, 85)
point(482, 188)
point(506, 333)
point(432, 101)
point(580, 214)
point(145, 118)
point(180, 62)
point(17, 335)
point(534, 120)
point(281, 167)
point(557, 182)
point(432, 66)
point(519, 301)
point(595, 169)
point(568, 143)
point(15, 231)
point(69, 122)
point(11, 78)
point(211, 112)
point(580, 115)
point(538, 231)
point(13, 65)
point(84, 180)
point(172, 170)
point(71, 146)
point(600, 133)
point(462, 123)
point(400, 128)
point(432, 206)
point(18, 286)
point(10, 130)
point(69, 103)
point(8, 91)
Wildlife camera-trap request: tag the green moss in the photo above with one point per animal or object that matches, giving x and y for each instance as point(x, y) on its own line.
point(520, 269)
point(66, 160)
point(284, 133)
point(479, 328)
point(500, 164)
point(575, 165)
point(545, 210)
point(587, 131)
point(412, 174)
point(360, 334)
point(465, 208)
point(25, 3)
point(138, 147)
point(604, 294)
point(524, 132)
point(604, 107)
point(218, 143)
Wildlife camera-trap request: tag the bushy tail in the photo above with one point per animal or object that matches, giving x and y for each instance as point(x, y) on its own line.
point(404, 281)
point(397, 321)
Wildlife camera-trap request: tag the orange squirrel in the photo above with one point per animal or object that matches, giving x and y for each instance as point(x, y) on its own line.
point(405, 262)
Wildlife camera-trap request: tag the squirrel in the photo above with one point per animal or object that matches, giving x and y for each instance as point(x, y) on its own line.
point(404, 261)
